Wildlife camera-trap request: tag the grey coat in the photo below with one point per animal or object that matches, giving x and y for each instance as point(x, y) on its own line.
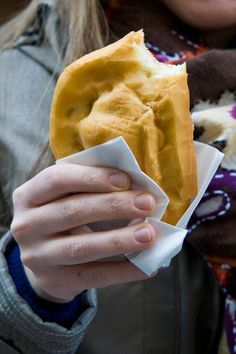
point(178, 312)
point(26, 91)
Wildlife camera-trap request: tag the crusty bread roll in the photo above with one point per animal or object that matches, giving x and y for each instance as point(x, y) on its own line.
point(123, 90)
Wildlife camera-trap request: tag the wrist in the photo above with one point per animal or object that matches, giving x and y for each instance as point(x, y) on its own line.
point(64, 314)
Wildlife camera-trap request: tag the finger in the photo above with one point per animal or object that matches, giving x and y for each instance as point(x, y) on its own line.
point(77, 210)
point(101, 274)
point(63, 179)
point(85, 248)
point(72, 280)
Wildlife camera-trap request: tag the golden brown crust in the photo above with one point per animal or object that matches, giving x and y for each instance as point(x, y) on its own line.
point(118, 90)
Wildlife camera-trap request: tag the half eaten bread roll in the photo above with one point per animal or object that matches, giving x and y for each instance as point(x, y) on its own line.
point(122, 90)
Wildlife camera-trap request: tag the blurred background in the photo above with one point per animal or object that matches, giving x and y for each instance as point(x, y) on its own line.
point(10, 7)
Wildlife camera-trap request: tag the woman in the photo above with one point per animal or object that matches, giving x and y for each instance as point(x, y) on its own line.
point(45, 305)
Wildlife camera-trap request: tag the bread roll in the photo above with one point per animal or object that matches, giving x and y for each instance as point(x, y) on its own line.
point(122, 90)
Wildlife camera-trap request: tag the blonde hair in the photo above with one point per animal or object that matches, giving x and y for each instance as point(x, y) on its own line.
point(83, 27)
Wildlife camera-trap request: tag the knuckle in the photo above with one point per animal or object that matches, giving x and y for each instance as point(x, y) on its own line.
point(116, 204)
point(20, 227)
point(57, 177)
point(17, 196)
point(117, 243)
point(77, 249)
point(28, 259)
point(99, 177)
point(72, 210)
point(93, 177)
point(90, 178)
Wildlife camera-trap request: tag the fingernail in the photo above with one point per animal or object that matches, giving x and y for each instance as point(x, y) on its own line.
point(142, 235)
point(119, 180)
point(144, 202)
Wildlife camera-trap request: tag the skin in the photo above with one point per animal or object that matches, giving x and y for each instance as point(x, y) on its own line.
point(62, 256)
point(204, 14)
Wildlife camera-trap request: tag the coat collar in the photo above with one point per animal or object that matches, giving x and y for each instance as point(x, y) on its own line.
point(39, 41)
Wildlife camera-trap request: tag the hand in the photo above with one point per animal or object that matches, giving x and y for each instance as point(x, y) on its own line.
point(62, 257)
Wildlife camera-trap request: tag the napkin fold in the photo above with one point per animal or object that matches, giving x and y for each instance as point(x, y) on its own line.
point(117, 154)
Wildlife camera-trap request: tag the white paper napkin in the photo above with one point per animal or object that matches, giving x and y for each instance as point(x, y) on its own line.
point(116, 153)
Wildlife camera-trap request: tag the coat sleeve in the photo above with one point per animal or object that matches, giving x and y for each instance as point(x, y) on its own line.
point(26, 92)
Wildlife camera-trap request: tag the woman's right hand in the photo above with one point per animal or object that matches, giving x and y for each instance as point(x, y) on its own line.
point(61, 255)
